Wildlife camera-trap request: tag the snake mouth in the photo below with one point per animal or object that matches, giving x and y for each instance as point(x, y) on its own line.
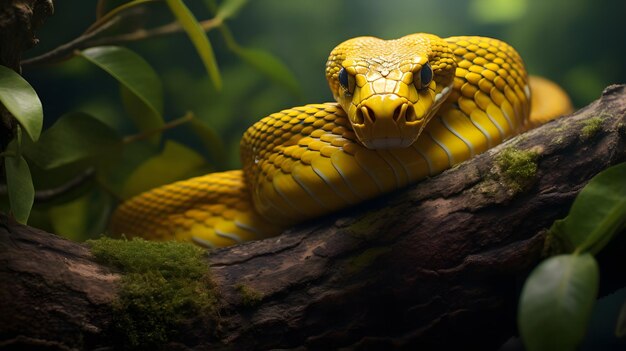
point(387, 143)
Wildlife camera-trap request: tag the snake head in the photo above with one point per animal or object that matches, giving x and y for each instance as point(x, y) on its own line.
point(390, 89)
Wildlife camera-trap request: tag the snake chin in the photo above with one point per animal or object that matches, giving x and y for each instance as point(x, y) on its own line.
point(387, 143)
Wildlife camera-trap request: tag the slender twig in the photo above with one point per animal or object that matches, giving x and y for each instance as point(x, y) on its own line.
point(142, 34)
point(100, 8)
point(47, 195)
point(42, 196)
point(88, 40)
point(172, 124)
point(117, 12)
point(68, 50)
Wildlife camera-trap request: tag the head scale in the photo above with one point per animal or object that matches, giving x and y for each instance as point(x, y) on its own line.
point(390, 88)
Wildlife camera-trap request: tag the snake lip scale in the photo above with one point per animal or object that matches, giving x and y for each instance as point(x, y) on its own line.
point(404, 110)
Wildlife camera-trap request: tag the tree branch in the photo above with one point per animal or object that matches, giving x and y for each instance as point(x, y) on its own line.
point(95, 38)
point(436, 265)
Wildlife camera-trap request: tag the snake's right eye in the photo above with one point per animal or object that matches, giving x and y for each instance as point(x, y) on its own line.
point(343, 78)
point(425, 77)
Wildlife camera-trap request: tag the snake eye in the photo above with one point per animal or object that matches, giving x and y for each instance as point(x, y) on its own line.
point(426, 76)
point(343, 78)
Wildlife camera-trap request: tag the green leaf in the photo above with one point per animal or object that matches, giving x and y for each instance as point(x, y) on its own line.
point(74, 137)
point(598, 212)
point(269, 65)
point(19, 186)
point(556, 302)
point(198, 38)
point(135, 75)
point(70, 219)
point(229, 8)
point(209, 138)
point(82, 218)
point(174, 163)
point(146, 119)
point(22, 101)
point(114, 172)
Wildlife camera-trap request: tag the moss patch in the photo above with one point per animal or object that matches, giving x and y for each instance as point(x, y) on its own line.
point(591, 127)
point(365, 259)
point(163, 284)
point(558, 140)
point(517, 167)
point(249, 296)
point(367, 226)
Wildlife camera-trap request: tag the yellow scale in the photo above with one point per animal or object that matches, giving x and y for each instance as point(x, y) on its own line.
point(406, 109)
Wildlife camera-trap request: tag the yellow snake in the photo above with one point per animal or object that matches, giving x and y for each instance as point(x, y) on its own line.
point(406, 109)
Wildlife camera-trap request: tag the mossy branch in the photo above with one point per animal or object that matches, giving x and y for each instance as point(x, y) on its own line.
point(436, 265)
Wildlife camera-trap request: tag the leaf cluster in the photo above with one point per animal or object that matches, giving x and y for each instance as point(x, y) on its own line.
point(79, 143)
point(559, 295)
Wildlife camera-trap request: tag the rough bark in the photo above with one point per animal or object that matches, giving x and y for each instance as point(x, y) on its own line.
point(437, 265)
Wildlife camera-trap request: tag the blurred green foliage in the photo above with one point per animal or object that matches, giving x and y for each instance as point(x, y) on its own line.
point(557, 299)
point(272, 57)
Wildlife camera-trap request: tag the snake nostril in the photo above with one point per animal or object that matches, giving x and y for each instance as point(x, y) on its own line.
point(365, 113)
point(410, 114)
point(358, 117)
point(400, 112)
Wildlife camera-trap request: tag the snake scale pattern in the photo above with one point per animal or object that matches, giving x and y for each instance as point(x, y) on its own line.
point(405, 110)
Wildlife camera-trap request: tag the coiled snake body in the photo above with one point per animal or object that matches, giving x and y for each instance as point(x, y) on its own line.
point(406, 109)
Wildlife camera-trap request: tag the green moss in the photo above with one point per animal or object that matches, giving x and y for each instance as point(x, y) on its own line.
point(367, 226)
point(517, 167)
point(362, 227)
point(559, 129)
point(591, 127)
point(162, 285)
point(558, 140)
point(249, 296)
point(365, 259)
point(487, 187)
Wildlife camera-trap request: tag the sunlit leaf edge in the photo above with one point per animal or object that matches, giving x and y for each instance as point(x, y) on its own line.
point(19, 98)
point(198, 37)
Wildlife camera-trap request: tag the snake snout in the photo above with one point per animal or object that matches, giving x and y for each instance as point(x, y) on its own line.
point(388, 107)
point(401, 111)
point(406, 112)
point(386, 121)
point(410, 115)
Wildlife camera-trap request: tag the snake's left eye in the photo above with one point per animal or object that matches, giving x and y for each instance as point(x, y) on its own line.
point(343, 78)
point(426, 76)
